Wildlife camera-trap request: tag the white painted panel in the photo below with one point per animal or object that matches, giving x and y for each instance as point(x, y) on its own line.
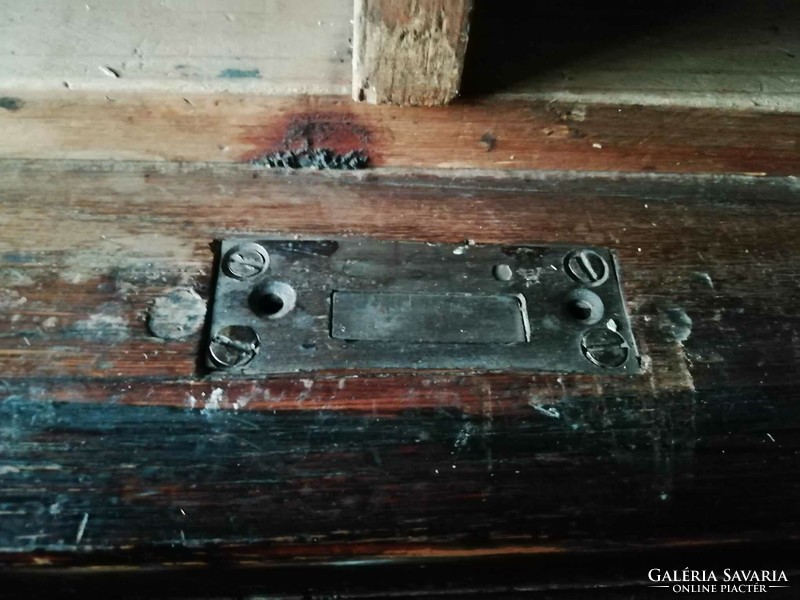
point(268, 46)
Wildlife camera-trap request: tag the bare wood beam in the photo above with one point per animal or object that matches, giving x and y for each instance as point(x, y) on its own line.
point(409, 53)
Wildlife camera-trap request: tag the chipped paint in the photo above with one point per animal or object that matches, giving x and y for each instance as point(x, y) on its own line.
point(239, 74)
point(546, 410)
point(677, 325)
point(214, 402)
point(103, 327)
point(11, 104)
point(127, 258)
point(176, 315)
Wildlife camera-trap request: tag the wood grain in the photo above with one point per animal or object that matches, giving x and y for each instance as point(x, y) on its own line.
point(117, 452)
point(409, 53)
point(506, 135)
point(248, 46)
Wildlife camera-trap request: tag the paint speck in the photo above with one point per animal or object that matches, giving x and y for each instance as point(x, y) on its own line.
point(214, 401)
point(101, 327)
point(598, 146)
point(677, 324)
point(240, 74)
point(704, 279)
point(769, 435)
point(11, 103)
point(81, 528)
point(548, 411)
point(663, 496)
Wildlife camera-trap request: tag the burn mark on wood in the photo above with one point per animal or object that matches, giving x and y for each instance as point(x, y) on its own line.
point(317, 158)
point(488, 141)
point(316, 140)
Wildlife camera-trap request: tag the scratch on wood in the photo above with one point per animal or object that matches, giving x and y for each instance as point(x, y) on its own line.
point(82, 528)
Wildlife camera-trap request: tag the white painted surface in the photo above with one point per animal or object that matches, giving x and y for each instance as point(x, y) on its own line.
point(262, 46)
point(747, 57)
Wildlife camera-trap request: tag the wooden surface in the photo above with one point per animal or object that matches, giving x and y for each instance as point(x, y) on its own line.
point(118, 454)
point(490, 134)
point(409, 53)
point(178, 46)
point(733, 54)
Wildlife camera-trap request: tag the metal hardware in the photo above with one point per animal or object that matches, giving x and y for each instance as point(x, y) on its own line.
point(245, 261)
point(297, 305)
point(233, 346)
point(605, 347)
point(586, 266)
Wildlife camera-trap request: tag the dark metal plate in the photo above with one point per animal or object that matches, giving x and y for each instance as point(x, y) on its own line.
point(293, 305)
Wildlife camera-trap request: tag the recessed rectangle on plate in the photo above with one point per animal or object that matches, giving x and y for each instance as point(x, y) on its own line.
point(435, 318)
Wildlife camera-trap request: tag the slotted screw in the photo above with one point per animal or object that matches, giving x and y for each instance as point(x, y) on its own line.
point(586, 266)
point(605, 348)
point(246, 261)
point(233, 346)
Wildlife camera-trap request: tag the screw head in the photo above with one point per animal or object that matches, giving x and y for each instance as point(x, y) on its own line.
point(245, 261)
point(605, 348)
point(502, 272)
point(586, 266)
point(233, 346)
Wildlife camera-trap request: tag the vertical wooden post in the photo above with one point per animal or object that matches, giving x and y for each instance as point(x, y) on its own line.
point(409, 52)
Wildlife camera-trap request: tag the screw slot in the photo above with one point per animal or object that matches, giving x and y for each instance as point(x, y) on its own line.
point(245, 261)
point(586, 266)
point(605, 348)
point(233, 346)
point(272, 299)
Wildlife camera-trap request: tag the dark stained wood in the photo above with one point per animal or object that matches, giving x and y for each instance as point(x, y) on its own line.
point(487, 134)
point(103, 423)
point(409, 53)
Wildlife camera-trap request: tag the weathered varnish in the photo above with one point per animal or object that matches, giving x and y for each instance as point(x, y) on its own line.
point(117, 452)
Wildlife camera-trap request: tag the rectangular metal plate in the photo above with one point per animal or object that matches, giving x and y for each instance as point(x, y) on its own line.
point(428, 318)
point(297, 305)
